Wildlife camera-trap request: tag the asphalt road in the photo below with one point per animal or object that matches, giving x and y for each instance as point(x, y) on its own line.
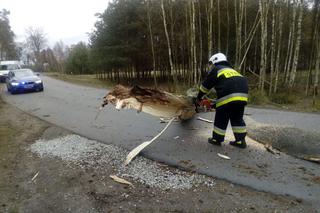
point(74, 107)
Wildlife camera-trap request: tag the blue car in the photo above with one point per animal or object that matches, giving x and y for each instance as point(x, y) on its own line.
point(23, 80)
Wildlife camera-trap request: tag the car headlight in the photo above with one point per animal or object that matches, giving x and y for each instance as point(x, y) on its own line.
point(14, 83)
point(38, 82)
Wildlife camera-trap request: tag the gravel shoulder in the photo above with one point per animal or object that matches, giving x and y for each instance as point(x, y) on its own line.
point(36, 181)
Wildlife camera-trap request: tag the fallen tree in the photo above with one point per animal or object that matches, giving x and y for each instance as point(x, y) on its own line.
point(154, 102)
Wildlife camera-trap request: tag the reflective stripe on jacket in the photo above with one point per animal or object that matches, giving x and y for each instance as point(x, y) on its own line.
point(229, 84)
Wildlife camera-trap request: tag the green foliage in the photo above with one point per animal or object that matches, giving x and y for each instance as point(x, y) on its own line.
point(78, 59)
point(120, 38)
point(257, 97)
point(8, 50)
point(283, 98)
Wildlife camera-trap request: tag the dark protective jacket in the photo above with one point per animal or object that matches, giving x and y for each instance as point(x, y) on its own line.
point(230, 85)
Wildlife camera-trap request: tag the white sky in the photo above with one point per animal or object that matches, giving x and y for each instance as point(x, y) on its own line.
point(66, 20)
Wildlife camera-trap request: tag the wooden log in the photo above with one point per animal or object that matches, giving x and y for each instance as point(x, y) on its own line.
point(154, 102)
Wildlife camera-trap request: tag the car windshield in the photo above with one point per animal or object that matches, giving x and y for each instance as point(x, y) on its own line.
point(9, 67)
point(23, 73)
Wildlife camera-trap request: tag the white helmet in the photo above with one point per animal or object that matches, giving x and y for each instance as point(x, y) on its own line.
point(216, 58)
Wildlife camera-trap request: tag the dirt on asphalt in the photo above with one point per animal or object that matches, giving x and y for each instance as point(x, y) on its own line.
point(290, 140)
point(29, 183)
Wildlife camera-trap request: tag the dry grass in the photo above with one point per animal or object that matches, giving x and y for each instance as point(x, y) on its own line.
point(305, 104)
point(86, 80)
point(92, 81)
point(7, 131)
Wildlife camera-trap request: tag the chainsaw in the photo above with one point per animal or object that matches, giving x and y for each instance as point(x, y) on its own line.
point(205, 105)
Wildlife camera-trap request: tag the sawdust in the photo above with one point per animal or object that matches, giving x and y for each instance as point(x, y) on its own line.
point(290, 140)
point(316, 180)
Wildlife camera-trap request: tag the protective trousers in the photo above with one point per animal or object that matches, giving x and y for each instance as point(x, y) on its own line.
point(234, 112)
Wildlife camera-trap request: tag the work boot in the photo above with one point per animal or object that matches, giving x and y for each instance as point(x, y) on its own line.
point(214, 142)
point(240, 144)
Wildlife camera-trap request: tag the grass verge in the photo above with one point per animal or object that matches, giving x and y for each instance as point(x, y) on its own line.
point(86, 80)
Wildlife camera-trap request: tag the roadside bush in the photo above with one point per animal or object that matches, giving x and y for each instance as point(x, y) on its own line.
point(257, 97)
point(283, 98)
point(316, 105)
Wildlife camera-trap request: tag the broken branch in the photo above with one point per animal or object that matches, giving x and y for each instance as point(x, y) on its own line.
point(205, 120)
point(121, 180)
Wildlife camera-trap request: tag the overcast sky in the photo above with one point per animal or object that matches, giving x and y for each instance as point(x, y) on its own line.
point(66, 20)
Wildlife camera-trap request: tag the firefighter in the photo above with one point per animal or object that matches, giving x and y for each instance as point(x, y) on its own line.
point(232, 96)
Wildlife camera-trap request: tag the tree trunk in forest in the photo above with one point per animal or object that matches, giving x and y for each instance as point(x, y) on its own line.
point(152, 45)
point(279, 47)
point(273, 49)
point(193, 45)
point(200, 41)
point(316, 74)
point(297, 47)
point(228, 27)
point(210, 25)
point(288, 46)
point(263, 6)
point(187, 42)
point(172, 37)
point(239, 9)
point(291, 44)
point(172, 71)
point(192, 70)
point(236, 12)
point(315, 33)
point(219, 26)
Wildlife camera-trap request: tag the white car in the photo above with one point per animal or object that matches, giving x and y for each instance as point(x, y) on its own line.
point(6, 66)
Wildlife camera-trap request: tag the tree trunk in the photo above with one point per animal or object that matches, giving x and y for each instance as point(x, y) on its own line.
point(194, 46)
point(273, 49)
point(200, 42)
point(187, 44)
point(277, 64)
point(152, 45)
point(219, 26)
point(239, 9)
point(313, 54)
point(151, 101)
point(290, 46)
point(236, 17)
point(192, 71)
point(316, 74)
point(263, 6)
point(172, 71)
point(244, 36)
point(228, 28)
point(210, 25)
point(297, 49)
